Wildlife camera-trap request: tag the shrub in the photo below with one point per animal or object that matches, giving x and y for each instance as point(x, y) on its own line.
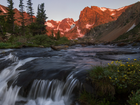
point(62, 40)
point(99, 77)
point(124, 75)
point(20, 39)
point(42, 40)
point(115, 82)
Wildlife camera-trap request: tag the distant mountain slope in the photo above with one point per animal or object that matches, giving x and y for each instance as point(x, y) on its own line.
point(132, 35)
point(125, 22)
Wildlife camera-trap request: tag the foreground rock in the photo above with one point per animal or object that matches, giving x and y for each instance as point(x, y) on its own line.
point(59, 47)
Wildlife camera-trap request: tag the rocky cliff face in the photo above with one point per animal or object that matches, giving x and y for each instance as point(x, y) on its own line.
point(89, 18)
point(63, 26)
point(124, 23)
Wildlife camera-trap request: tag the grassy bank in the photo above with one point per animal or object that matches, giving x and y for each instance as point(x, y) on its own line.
point(32, 41)
point(116, 84)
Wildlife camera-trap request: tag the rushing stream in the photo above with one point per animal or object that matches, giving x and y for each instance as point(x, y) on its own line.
point(42, 76)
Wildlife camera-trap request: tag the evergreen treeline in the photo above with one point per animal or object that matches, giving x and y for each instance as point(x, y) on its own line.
point(35, 26)
point(33, 34)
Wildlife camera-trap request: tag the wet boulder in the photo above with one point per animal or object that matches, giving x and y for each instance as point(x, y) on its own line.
point(59, 47)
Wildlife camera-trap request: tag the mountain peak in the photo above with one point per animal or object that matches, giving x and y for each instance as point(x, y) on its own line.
point(103, 9)
point(89, 17)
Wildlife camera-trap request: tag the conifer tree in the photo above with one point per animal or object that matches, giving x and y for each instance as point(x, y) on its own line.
point(40, 20)
point(30, 10)
point(10, 16)
point(58, 35)
point(3, 25)
point(39, 27)
point(1, 30)
point(52, 35)
point(21, 6)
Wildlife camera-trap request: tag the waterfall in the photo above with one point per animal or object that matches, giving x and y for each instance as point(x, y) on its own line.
point(42, 92)
point(55, 92)
point(8, 96)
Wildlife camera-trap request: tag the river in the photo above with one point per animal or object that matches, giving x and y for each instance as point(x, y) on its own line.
point(42, 76)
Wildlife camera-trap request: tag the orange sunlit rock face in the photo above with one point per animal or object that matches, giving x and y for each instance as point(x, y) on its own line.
point(88, 18)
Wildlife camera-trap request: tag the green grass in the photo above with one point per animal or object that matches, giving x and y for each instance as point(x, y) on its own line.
point(7, 45)
point(32, 41)
point(114, 83)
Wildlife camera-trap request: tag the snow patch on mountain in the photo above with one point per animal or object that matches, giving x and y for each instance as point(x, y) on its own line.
point(62, 33)
point(67, 30)
point(103, 9)
point(59, 29)
point(72, 26)
point(58, 21)
point(49, 24)
point(79, 32)
point(111, 10)
point(58, 26)
point(131, 27)
point(112, 14)
point(70, 22)
point(120, 8)
point(3, 10)
point(88, 26)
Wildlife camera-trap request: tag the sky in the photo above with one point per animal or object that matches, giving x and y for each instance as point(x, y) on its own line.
point(60, 9)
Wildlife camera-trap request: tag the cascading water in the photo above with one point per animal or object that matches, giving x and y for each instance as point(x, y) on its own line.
point(55, 92)
point(42, 92)
point(8, 96)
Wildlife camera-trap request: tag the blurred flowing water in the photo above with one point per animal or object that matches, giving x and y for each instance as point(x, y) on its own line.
point(42, 76)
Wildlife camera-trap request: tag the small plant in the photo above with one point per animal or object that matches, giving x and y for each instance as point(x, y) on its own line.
point(134, 98)
point(89, 99)
point(104, 102)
